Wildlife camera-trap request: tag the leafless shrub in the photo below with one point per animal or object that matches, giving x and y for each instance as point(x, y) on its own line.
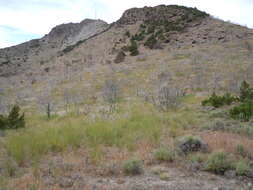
point(248, 46)
point(199, 71)
point(3, 102)
point(111, 93)
point(168, 97)
point(45, 102)
point(234, 83)
point(216, 82)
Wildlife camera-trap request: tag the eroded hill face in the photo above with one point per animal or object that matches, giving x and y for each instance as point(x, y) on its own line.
point(177, 45)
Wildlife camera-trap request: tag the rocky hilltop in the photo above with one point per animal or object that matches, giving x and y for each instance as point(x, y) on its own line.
point(159, 13)
point(18, 58)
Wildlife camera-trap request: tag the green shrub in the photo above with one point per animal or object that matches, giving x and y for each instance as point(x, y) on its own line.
point(127, 34)
point(132, 167)
point(151, 29)
point(143, 26)
point(219, 101)
point(246, 93)
point(243, 112)
point(133, 48)
point(163, 154)
point(218, 163)
point(242, 168)
point(151, 42)
point(139, 37)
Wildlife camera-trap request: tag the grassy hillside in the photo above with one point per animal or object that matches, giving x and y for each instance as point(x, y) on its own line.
point(116, 119)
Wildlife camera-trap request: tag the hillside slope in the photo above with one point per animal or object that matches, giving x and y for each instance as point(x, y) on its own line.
point(120, 106)
point(192, 49)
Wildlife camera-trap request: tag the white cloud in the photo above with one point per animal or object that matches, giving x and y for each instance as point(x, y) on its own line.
point(38, 17)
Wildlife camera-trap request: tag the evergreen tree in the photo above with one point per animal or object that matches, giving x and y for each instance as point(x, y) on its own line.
point(15, 121)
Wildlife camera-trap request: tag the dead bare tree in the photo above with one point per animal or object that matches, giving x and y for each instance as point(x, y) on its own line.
point(45, 102)
point(2, 101)
point(168, 97)
point(111, 93)
point(198, 70)
point(215, 82)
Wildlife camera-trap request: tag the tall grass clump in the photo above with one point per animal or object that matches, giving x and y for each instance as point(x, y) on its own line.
point(61, 133)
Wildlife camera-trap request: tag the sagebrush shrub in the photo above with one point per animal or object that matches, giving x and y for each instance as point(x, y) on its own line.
point(242, 168)
point(218, 162)
point(132, 167)
point(163, 154)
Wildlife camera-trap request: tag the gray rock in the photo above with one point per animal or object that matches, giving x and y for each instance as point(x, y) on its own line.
point(230, 174)
point(195, 166)
point(66, 182)
point(2, 133)
point(189, 144)
point(250, 186)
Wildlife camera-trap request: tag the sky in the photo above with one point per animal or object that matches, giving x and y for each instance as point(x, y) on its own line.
point(23, 20)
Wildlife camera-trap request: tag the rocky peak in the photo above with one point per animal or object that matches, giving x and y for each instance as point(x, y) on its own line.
point(71, 33)
point(158, 13)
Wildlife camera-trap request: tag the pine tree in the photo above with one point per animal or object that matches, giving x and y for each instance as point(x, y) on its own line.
point(14, 120)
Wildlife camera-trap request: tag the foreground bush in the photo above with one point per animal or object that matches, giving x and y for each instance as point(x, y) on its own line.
point(133, 167)
point(242, 168)
point(14, 120)
point(163, 154)
point(218, 163)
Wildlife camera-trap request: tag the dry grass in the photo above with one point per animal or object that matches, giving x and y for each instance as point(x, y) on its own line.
point(227, 141)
